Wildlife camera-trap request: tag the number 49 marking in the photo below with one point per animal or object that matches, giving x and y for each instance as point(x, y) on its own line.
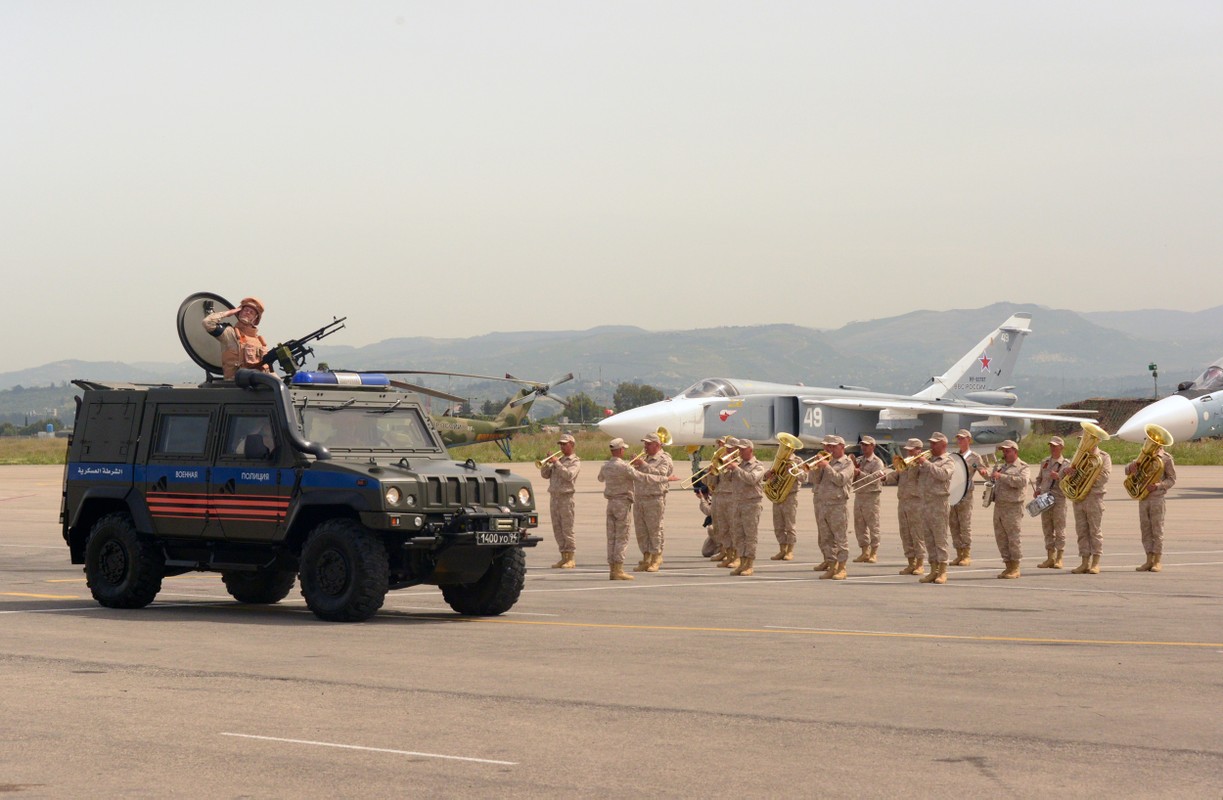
point(814, 418)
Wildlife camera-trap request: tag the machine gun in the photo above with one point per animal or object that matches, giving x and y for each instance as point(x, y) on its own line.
point(292, 354)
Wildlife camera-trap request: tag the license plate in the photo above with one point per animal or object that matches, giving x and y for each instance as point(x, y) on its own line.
point(496, 537)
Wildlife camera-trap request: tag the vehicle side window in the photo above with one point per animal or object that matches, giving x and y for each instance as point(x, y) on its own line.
point(182, 434)
point(249, 436)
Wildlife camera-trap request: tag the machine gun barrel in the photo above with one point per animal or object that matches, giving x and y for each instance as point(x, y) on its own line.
point(292, 354)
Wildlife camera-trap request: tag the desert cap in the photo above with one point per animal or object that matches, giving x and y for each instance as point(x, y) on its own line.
point(730, 441)
point(867, 440)
point(963, 433)
point(616, 444)
point(914, 444)
point(1057, 440)
point(566, 439)
point(832, 439)
point(937, 436)
point(745, 444)
point(651, 437)
point(1009, 444)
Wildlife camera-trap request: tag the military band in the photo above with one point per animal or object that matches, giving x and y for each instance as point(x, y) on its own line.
point(1053, 518)
point(747, 495)
point(867, 469)
point(960, 518)
point(1010, 477)
point(561, 471)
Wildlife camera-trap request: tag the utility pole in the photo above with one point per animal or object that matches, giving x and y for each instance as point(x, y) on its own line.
point(1154, 368)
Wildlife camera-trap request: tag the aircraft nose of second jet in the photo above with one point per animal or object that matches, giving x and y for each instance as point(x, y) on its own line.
point(630, 425)
point(1177, 414)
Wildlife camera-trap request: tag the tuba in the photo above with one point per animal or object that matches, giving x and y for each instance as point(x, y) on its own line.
point(1087, 466)
point(781, 482)
point(1149, 467)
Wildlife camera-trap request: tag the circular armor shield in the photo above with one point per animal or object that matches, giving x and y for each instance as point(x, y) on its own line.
point(961, 483)
point(204, 348)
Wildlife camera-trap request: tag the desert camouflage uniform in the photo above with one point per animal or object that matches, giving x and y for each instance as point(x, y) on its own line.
point(1010, 490)
point(908, 512)
point(934, 486)
point(1151, 507)
point(959, 518)
point(561, 477)
point(785, 513)
point(241, 351)
point(723, 508)
point(617, 479)
point(866, 504)
point(831, 489)
point(1053, 518)
point(650, 500)
point(1089, 512)
point(747, 493)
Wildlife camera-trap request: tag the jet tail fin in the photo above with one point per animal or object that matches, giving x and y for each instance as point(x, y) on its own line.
point(986, 367)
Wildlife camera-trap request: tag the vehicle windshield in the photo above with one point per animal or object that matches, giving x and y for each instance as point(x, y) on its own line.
point(361, 428)
point(711, 387)
point(1211, 380)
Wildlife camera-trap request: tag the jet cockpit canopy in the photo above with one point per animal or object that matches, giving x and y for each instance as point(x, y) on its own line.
point(711, 387)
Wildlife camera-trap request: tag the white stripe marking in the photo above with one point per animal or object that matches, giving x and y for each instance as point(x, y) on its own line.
point(36, 546)
point(372, 749)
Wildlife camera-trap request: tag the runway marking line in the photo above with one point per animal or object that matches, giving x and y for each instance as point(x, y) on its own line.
point(832, 632)
point(43, 596)
point(372, 749)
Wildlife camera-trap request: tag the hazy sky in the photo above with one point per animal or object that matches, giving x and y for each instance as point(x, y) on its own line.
point(454, 168)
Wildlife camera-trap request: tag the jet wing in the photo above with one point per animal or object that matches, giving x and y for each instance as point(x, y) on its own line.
point(923, 407)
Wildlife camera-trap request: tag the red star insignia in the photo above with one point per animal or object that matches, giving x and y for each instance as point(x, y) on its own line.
point(984, 359)
point(725, 415)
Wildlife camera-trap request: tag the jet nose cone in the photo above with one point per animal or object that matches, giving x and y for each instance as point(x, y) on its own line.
point(630, 425)
point(1175, 413)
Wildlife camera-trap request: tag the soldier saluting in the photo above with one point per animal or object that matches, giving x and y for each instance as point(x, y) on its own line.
point(244, 347)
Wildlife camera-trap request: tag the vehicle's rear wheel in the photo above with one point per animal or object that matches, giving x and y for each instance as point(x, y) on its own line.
point(122, 568)
point(344, 571)
point(262, 587)
point(496, 591)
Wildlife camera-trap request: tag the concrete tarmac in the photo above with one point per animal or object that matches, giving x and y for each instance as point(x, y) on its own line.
point(685, 683)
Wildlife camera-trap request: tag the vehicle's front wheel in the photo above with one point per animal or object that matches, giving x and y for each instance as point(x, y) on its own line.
point(344, 571)
point(262, 587)
point(122, 569)
point(496, 591)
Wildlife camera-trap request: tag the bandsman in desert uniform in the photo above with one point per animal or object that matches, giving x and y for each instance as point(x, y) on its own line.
point(785, 518)
point(561, 472)
point(719, 488)
point(934, 485)
point(617, 479)
point(1089, 515)
point(960, 518)
point(830, 479)
point(653, 474)
point(242, 346)
point(867, 471)
point(908, 511)
point(747, 494)
point(1151, 511)
point(1010, 477)
point(1053, 518)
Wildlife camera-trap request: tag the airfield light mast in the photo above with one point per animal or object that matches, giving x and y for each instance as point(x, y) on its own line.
point(1154, 368)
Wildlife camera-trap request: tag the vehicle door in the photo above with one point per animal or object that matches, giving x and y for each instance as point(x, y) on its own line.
point(176, 475)
point(250, 485)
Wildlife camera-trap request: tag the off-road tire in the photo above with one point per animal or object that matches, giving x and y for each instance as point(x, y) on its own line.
point(122, 568)
point(497, 590)
point(264, 587)
point(344, 571)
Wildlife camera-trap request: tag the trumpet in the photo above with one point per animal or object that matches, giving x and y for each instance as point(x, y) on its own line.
point(1086, 465)
point(664, 438)
point(900, 464)
point(543, 462)
point(1150, 467)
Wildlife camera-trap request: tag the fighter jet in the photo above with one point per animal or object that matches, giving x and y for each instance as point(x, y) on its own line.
point(973, 394)
point(1195, 411)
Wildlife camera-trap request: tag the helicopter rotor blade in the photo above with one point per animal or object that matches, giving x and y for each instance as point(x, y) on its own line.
point(412, 387)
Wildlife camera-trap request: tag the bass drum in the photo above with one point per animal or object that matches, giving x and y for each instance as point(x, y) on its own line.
point(961, 479)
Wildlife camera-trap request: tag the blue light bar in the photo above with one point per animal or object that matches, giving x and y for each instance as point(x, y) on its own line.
point(341, 378)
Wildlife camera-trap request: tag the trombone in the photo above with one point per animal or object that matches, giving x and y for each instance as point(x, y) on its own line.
point(543, 462)
point(664, 438)
point(714, 467)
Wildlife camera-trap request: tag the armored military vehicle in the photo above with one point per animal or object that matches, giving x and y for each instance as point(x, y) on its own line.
point(337, 477)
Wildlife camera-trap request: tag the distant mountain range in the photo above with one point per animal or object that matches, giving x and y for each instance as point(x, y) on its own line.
point(1068, 356)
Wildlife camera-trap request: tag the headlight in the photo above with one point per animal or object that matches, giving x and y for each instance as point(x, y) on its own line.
point(392, 496)
point(524, 495)
point(410, 501)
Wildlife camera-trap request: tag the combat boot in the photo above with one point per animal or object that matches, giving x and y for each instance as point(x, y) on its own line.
point(918, 568)
point(781, 553)
point(1057, 559)
point(966, 561)
point(1011, 571)
point(1155, 567)
point(1048, 562)
point(618, 573)
point(959, 555)
point(822, 566)
point(933, 576)
point(732, 559)
point(941, 572)
point(1081, 569)
point(643, 563)
point(745, 566)
point(720, 555)
point(1094, 569)
point(864, 557)
point(566, 561)
point(655, 562)
point(909, 569)
point(837, 573)
point(874, 556)
point(1146, 565)
point(789, 553)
